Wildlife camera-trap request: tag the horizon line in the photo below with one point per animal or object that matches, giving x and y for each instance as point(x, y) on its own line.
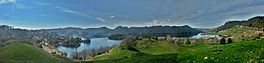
point(27, 28)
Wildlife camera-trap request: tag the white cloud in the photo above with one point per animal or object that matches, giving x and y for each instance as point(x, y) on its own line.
point(103, 19)
point(66, 10)
point(156, 22)
point(14, 4)
point(41, 3)
point(100, 19)
point(73, 12)
point(7, 1)
point(112, 17)
point(47, 15)
point(22, 6)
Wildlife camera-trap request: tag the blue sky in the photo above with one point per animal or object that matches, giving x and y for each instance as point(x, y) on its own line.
point(38, 14)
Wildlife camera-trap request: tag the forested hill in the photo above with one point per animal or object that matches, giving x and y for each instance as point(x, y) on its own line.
point(182, 31)
point(178, 31)
point(9, 34)
point(257, 22)
point(88, 32)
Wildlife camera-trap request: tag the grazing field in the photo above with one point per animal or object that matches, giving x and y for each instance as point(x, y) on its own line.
point(24, 53)
point(237, 52)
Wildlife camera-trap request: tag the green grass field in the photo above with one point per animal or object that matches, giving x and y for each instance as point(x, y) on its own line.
point(239, 52)
point(149, 52)
point(166, 52)
point(24, 53)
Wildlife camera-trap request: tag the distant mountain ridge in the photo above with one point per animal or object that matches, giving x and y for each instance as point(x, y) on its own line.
point(75, 32)
point(179, 31)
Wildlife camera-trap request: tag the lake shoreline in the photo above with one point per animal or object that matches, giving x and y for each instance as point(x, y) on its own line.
point(94, 44)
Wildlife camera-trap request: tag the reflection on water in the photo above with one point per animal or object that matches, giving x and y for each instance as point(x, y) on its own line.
point(95, 43)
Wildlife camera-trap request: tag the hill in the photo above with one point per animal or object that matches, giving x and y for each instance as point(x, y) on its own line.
point(257, 22)
point(240, 32)
point(87, 33)
point(9, 34)
point(25, 53)
point(157, 31)
point(252, 28)
point(169, 52)
point(179, 31)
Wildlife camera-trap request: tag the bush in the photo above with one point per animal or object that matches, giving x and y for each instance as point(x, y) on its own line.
point(222, 41)
point(129, 43)
point(187, 42)
point(229, 40)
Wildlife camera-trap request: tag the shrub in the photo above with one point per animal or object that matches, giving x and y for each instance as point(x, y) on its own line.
point(229, 40)
point(129, 43)
point(187, 42)
point(222, 41)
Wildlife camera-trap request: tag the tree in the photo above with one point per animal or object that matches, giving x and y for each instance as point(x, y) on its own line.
point(187, 42)
point(75, 55)
point(222, 41)
point(229, 40)
point(129, 43)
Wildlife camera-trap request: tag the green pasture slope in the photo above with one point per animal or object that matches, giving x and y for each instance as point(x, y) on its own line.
point(24, 53)
point(167, 52)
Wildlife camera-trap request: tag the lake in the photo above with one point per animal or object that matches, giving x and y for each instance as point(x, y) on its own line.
point(200, 35)
point(103, 42)
point(95, 43)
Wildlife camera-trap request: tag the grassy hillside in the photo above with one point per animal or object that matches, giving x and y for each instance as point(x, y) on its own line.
point(239, 33)
point(25, 53)
point(167, 52)
point(239, 52)
point(158, 47)
point(257, 22)
point(235, 31)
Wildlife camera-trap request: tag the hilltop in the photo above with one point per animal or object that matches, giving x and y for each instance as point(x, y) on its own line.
point(257, 22)
point(252, 28)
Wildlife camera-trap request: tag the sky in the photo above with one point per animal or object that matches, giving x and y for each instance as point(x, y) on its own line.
point(45, 14)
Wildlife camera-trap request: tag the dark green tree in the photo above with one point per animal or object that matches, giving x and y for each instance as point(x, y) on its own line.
point(222, 41)
point(188, 42)
point(129, 43)
point(229, 40)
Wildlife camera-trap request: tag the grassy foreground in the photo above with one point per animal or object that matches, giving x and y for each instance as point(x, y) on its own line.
point(24, 53)
point(166, 52)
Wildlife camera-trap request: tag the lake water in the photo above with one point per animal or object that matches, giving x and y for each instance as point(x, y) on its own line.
point(203, 36)
point(103, 42)
point(95, 43)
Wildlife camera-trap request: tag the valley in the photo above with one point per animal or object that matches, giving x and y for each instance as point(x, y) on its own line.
point(131, 31)
point(162, 44)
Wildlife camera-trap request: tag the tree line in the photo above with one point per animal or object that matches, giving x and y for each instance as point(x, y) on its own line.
point(89, 53)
